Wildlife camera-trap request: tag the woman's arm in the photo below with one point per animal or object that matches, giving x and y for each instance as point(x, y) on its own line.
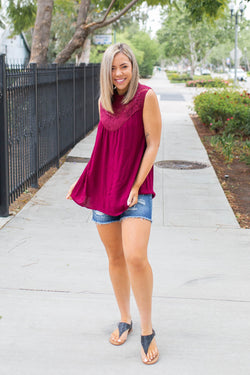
point(152, 129)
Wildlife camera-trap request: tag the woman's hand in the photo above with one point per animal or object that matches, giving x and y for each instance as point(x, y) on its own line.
point(133, 196)
point(68, 196)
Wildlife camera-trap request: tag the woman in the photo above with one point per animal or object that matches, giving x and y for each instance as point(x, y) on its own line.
point(117, 184)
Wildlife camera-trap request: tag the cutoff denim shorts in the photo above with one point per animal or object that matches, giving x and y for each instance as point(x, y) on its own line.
point(142, 209)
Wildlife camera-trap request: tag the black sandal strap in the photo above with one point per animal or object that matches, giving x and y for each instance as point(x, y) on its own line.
point(146, 341)
point(122, 326)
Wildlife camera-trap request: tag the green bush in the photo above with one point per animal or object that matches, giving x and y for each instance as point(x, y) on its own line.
point(224, 144)
point(232, 147)
point(216, 82)
point(177, 77)
point(202, 77)
point(225, 111)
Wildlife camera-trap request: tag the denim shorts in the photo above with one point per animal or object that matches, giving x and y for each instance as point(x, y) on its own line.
point(142, 209)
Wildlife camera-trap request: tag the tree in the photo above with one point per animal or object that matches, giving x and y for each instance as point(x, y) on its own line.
point(84, 26)
point(219, 53)
point(200, 10)
point(63, 25)
point(40, 42)
point(122, 36)
point(244, 43)
point(150, 49)
point(22, 14)
point(146, 50)
point(182, 39)
point(91, 15)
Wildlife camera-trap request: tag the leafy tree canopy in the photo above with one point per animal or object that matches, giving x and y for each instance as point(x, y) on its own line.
point(146, 50)
point(181, 39)
point(209, 8)
point(84, 17)
point(22, 13)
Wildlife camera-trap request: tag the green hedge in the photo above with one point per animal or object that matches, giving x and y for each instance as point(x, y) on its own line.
point(225, 111)
point(216, 82)
point(178, 78)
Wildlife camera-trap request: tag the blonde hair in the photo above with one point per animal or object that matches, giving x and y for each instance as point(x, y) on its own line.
point(106, 82)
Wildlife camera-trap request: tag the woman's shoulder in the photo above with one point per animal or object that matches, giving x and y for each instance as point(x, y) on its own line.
point(141, 92)
point(143, 88)
point(146, 91)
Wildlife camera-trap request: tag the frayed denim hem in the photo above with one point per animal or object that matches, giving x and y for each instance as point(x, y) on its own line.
point(121, 219)
point(136, 217)
point(107, 222)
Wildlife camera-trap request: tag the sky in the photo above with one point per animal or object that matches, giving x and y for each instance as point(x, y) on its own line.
point(247, 11)
point(154, 22)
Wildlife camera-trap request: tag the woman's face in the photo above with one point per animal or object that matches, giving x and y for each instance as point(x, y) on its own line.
point(121, 72)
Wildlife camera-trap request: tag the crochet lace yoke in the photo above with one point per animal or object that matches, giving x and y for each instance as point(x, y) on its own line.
point(122, 112)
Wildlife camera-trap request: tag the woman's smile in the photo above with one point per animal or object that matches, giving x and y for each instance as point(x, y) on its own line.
point(120, 80)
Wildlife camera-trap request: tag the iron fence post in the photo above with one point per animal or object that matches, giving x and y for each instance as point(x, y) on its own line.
point(36, 131)
point(57, 118)
point(4, 159)
point(97, 94)
point(74, 104)
point(85, 105)
point(93, 93)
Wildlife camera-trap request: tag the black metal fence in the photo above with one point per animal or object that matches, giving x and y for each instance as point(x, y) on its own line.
point(43, 113)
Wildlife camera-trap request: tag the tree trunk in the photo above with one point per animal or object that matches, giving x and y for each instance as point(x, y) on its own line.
point(83, 30)
point(41, 36)
point(193, 55)
point(224, 65)
point(83, 58)
point(76, 42)
point(80, 35)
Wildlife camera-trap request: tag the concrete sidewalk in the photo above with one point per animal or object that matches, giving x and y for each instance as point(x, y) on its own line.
point(56, 300)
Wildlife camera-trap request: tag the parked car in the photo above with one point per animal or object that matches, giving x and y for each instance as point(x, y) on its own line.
point(240, 74)
point(205, 71)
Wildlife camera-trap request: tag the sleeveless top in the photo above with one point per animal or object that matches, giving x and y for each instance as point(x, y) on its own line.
point(120, 143)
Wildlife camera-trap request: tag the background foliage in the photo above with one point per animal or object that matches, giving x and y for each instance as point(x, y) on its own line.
point(22, 14)
point(145, 48)
point(225, 111)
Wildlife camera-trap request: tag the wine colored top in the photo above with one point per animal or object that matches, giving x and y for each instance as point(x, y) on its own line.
point(120, 143)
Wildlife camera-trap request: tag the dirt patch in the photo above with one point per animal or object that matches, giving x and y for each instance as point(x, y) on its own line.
point(234, 178)
point(26, 196)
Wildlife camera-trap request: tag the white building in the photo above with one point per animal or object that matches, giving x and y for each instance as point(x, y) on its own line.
point(15, 48)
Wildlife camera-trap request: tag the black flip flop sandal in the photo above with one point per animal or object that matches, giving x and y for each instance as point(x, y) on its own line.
point(145, 342)
point(123, 327)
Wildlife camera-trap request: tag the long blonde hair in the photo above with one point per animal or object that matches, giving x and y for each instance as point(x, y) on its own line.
point(106, 82)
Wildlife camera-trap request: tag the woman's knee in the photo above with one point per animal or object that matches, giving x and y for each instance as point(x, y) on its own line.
point(115, 257)
point(136, 261)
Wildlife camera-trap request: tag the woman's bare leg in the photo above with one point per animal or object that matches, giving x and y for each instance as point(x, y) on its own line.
point(135, 236)
point(111, 237)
